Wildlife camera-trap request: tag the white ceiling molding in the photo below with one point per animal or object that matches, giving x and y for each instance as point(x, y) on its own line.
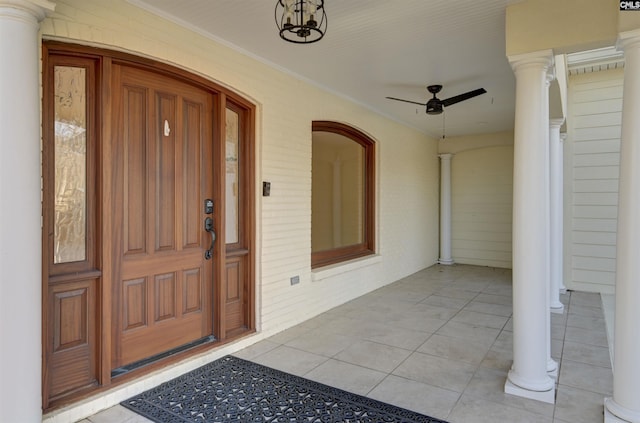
point(595, 60)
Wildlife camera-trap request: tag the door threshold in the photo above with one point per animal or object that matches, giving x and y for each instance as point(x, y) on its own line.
point(141, 363)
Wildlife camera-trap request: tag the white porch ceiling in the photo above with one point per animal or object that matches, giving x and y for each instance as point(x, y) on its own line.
point(378, 48)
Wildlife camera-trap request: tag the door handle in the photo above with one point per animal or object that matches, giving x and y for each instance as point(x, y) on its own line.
point(208, 226)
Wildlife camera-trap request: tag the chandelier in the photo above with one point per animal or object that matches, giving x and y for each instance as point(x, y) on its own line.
point(301, 21)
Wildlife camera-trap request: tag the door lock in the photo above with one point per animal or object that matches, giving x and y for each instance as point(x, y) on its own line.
point(208, 206)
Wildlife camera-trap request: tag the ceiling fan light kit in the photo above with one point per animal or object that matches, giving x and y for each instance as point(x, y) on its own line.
point(301, 21)
point(435, 106)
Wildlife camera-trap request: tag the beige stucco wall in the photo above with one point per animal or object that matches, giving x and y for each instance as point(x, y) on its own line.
point(564, 26)
point(407, 166)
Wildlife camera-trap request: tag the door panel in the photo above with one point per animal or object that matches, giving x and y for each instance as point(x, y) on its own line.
point(192, 291)
point(134, 304)
point(134, 201)
point(162, 296)
point(72, 325)
point(235, 296)
point(164, 176)
point(193, 174)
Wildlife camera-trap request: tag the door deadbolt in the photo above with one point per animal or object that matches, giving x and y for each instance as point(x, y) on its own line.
point(208, 206)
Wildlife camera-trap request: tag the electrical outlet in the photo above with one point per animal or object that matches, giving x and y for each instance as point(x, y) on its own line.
point(295, 280)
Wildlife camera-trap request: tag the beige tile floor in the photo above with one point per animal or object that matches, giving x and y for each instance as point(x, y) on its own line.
point(439, 342)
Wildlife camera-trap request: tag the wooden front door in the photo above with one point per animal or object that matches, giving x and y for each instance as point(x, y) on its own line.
point(162, 161)
point(132, 149)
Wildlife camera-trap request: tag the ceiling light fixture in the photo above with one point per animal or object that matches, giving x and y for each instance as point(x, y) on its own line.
point(301, 21)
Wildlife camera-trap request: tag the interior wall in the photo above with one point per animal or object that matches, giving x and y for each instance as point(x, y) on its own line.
point(481, 198)
point(407, 163)
point(481, 204)
point(592, 157)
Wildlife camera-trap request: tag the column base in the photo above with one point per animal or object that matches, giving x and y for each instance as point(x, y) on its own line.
point(544, 396)
point(557, 308)
point(552, 369)
point(611, 418)
point(615, 413)
point(446, 262)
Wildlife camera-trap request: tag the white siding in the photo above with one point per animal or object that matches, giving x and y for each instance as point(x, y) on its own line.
point(482, 199)
point(593, 156)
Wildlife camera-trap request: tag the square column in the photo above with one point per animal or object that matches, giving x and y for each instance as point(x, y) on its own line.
point(528, 376)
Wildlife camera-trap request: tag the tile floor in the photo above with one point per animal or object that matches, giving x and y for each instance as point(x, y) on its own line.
point(440, 342)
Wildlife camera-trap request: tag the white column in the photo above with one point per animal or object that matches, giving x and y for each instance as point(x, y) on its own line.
point(528, 376)
point(20, 213)
point(552, 366)
point(556, 181)
point(625, 404)
point(563, 288)
point(445, 209)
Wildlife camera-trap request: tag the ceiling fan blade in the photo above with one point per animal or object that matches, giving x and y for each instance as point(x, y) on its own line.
point(407, 101)
point(462, 97)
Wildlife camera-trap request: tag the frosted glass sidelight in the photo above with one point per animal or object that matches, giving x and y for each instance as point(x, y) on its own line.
point(232, 167)
point(70, 178)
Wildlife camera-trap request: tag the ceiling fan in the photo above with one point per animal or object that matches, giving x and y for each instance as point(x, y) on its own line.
point(435, 106)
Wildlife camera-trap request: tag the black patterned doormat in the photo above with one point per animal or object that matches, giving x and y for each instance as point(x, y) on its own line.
point(235, 390)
